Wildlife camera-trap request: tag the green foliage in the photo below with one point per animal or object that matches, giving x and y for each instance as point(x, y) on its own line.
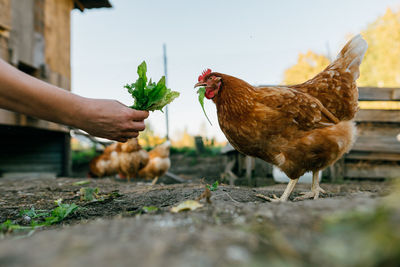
point(150, 96)
point(83, 182)
point(50, 217)
point(374, 234)
point(89, 193)
point(214, 186)
point(34, 213)
point(380, 66)
point(60, 213)
point(9, 226)
point(202, 93)
point(209, 151)
point(150, 209)
point(80, 157)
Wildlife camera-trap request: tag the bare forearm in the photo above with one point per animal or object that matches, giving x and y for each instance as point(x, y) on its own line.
point(100, 117)
point(25, 94)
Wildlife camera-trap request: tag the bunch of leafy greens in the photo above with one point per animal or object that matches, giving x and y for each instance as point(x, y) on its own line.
point(150, 95)
point(202, 93)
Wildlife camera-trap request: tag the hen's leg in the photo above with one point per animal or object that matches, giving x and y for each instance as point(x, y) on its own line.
point(315, 189)
point(154, 181)
point(285, 195)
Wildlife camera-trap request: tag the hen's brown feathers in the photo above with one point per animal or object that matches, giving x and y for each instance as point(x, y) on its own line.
point(299, 128)
point(336, 85)
point(131, 161)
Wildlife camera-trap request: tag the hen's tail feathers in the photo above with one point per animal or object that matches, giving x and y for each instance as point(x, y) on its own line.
point(349, 59)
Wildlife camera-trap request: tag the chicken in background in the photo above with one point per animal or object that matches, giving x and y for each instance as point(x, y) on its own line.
point(158, 164)
point(131, 159)
point(107, 163)
point(298, 128)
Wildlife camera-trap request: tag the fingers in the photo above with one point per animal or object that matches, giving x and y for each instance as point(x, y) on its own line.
point(139, 125)
point(126, 136)
point(133, 126)
point(139, 115)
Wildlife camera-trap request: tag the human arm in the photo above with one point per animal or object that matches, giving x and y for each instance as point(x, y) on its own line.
point(100, 117)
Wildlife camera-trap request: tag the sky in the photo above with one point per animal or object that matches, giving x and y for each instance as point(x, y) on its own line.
point(253, 40)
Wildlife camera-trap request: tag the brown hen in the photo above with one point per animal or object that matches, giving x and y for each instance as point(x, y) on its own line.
point(298, 128)
point(159, 162)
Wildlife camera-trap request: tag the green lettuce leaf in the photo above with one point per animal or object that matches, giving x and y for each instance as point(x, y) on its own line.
point(150, 96)
point(202, 93)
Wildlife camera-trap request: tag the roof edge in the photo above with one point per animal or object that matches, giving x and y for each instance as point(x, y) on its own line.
point(88, 4)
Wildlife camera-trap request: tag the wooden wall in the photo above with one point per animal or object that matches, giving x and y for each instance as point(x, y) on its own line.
point(57, 38)
point(5, 25)
point(35, 37)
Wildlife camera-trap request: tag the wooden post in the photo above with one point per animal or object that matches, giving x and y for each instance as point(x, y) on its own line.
point(198, 140)
point(337, 171)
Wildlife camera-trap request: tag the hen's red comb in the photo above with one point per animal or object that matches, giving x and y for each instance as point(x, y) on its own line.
point(204, 74)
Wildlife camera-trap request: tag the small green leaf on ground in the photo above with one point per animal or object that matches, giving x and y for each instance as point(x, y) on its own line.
point(34, 213)
point(60, 213)
point(214, 186)
point(89, 193)
point(83, 182)
point(9, 226)
point(149, 209)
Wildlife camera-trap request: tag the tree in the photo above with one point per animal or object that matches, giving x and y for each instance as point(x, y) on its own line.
point(381, 65)
point(307, 66)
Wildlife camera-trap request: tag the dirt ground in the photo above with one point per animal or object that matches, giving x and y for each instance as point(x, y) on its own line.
point(236, 229)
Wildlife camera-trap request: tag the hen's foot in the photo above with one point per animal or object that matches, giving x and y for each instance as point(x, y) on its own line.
point(314, 193)
point(154, 181)
point(273, 199)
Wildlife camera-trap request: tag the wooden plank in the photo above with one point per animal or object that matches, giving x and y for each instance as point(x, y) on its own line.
point(22, 34)
point(376, 93)
point(376, 156)
point(5, 14)
point(57, 27)
point(378, 138)
point(365, 170)
point(365, 115)
point(15, 119)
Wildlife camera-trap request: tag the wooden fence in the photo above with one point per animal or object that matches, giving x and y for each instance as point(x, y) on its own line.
point(376, 152)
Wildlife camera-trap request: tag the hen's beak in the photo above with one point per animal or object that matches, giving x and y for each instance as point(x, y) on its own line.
point(200, 84)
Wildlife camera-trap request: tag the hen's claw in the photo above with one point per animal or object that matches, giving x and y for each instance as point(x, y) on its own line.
point(273, 199)
point(314, 193)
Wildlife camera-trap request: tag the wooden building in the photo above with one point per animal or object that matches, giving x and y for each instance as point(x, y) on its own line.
point(35, 38)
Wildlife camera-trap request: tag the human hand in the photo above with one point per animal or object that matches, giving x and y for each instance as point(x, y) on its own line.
point(110, 119)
